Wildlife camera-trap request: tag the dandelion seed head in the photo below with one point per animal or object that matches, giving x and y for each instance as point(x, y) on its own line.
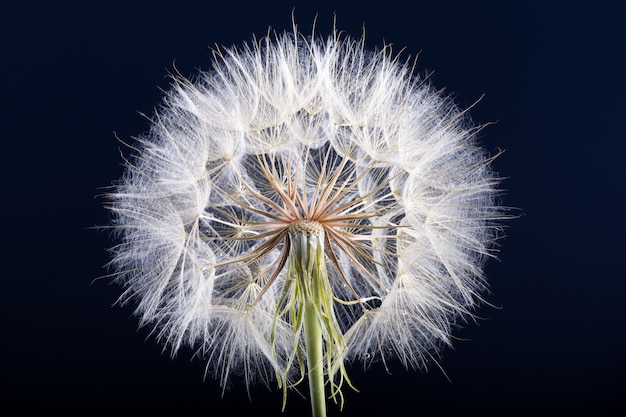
point(290, 135)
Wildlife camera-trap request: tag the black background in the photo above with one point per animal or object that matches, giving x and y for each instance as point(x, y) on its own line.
point(74, 73)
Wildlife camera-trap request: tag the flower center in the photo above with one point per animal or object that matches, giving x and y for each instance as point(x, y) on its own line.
point(318, 198)
point(306, 227)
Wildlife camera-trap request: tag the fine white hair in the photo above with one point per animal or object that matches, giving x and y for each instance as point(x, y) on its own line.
point(201, 188)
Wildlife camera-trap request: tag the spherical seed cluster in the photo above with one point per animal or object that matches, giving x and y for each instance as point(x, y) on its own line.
point(292, 129)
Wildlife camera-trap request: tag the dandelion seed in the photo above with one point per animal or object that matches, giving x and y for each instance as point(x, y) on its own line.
point(304, 204)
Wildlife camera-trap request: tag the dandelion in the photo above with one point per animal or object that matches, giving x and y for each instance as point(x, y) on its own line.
point(304, 204)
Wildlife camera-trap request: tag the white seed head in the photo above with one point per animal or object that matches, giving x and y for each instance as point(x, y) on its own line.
point(289, 130)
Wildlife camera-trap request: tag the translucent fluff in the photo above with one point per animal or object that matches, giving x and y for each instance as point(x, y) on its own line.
point(294, 130)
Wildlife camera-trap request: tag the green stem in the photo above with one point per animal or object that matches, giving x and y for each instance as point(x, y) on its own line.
point(315, 360)
point(306, 264)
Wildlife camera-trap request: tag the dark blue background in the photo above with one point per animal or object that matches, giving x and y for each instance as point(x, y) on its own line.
point(552, 73)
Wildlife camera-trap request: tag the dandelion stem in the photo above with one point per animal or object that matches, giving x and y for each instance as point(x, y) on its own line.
point(315, 360)
point(306, 263)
